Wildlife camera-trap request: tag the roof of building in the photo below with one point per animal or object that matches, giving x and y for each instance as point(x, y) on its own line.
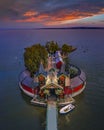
point(41, 70)
point(62, 70)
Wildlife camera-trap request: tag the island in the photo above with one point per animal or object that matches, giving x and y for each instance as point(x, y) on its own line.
point(49, 75)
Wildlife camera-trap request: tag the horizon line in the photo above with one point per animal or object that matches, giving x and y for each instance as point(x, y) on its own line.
point(81, 27)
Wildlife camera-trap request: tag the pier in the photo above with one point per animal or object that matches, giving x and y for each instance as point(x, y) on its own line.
point(51, 116)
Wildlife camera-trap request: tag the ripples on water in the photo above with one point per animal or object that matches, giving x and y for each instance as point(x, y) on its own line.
point(17, 112)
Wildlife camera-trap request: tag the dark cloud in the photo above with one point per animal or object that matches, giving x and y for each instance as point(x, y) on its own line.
point(44, 10)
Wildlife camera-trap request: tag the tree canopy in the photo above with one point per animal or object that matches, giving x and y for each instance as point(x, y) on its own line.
point(37, 53)
point(66, 49)
point(52, 46)
point(33, 56)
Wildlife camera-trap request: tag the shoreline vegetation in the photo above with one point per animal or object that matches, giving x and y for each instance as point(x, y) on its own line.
point(45, 28)
point(37, 54)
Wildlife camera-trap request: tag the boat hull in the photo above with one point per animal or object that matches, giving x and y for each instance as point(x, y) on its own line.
point(67, 109)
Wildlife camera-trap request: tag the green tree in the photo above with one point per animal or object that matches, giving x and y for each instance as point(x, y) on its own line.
point(67, 64)
point(33, 56)
point(52, 46)
point(66, 49)
point(37, 53)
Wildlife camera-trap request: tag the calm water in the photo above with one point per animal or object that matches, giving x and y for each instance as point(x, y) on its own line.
point(17, 113)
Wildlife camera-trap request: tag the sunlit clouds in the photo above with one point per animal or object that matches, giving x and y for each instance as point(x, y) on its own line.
point(50, 13)
point(30, 13)
point(59, 18)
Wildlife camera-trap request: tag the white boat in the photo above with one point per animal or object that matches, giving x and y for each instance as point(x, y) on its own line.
point(67, 108)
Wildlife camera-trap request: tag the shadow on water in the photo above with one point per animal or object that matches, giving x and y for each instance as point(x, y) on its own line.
point(80, 97)
point(38, 112)
point(66, 120)
point(26, 98)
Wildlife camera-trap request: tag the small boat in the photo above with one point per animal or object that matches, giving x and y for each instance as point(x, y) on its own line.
point(67, 108)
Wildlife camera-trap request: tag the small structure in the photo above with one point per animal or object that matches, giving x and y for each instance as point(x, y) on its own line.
point(59, 60)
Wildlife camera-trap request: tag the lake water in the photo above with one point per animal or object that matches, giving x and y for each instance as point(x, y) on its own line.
point(16, 112)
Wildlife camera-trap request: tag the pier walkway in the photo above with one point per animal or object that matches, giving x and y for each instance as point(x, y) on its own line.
point(51, 116)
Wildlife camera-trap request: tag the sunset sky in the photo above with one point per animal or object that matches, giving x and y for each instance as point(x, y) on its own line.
point(51, 13)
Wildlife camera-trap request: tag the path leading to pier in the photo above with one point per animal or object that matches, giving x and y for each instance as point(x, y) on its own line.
point(51, 116)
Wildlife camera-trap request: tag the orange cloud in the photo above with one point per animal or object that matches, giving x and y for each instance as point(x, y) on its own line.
point(101, 11)
point(32, 16)
point(32, 19)
point(61, 17)
point(30, 13)
point(68, 17)
point(71, 17)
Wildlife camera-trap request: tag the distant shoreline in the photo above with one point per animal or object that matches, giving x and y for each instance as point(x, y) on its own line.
point(51, 28)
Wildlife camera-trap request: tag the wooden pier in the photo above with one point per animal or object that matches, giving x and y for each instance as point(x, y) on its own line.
point(51, 116)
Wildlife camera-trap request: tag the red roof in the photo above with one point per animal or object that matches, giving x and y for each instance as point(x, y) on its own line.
point(58, 65)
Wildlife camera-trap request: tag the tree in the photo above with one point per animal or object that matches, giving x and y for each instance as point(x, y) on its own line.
point(66, 49)
point(67, 64)
point(52, 46)
point(37, 53)
point(33, 56)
